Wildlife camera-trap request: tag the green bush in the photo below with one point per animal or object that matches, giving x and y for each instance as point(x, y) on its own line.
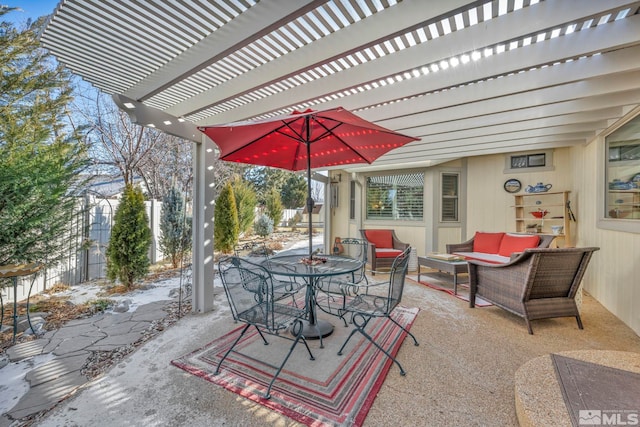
point(100, 304)
point(274, 207)
point(294, 220)
point(226, 228)
point(175, 226)
point(246, 201)
point(263, 226)
point(127, 253)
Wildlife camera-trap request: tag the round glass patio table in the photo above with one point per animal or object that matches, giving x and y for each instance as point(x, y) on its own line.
point(292, 266)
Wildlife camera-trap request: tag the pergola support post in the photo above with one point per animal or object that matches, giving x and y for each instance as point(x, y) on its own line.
point(203, 208)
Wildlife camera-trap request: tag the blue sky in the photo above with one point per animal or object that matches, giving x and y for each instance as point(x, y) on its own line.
point(30, 9)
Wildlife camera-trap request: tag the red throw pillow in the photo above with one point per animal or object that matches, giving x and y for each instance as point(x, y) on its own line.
point(380, 238)
point(512, 243)
point(488, 243)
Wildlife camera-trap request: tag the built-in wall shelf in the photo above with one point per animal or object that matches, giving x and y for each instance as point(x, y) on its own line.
point(557, 220)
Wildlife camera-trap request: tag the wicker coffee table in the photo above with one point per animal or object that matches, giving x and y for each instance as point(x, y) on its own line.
point(451, 267)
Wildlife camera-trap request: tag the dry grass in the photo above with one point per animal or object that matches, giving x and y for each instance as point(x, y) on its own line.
point(59, 311)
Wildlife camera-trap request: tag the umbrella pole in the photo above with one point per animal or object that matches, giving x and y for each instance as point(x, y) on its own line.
point(310, 203)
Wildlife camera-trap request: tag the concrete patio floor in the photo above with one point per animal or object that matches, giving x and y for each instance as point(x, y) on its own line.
point(462, 373)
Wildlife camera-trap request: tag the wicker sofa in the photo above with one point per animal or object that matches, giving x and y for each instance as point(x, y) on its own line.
point(539, 283)
point(498, 248)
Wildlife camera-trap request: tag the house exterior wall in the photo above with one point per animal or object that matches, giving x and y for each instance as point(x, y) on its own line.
point(612, 276)
point(490, 207)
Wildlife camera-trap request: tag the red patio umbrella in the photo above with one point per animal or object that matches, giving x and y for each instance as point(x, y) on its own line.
point(305, 140)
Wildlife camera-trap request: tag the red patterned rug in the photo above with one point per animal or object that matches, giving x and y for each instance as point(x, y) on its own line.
point(328, 391)
point(440, 282)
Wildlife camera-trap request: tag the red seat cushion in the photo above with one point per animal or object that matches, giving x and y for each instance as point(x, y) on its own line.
point(387, 253)
point(489, 243)
point(512, 243)
point(380, 238)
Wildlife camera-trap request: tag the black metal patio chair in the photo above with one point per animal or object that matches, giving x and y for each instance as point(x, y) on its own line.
point(379, 300)
point(333, 291)
point(257, 253)
point(250, 291)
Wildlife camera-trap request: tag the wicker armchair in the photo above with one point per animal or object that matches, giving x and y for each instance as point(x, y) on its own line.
point(540, 283)
point(384, 247)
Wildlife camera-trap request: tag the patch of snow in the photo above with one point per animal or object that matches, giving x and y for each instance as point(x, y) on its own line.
point(12, 380)
point(157, 291)
point(12, 376)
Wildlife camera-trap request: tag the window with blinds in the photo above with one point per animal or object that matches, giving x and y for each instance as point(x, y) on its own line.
point(449, 205)
point(395, 197)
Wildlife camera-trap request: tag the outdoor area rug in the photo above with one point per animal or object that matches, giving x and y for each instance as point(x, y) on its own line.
point(592, 391)
point(328, 391)
point(444, 282)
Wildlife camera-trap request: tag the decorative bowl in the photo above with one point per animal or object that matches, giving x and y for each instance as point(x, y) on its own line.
point(314, 261)
point(539, 214)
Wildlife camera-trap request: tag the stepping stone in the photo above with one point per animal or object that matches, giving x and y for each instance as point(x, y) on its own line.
point(27, 349)
point(47, 395)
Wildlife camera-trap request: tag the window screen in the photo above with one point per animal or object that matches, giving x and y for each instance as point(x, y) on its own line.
point(395, 197)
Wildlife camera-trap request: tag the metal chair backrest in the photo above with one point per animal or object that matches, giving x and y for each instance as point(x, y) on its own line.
point(249, 290)
point(356, 249)
point(396, 279)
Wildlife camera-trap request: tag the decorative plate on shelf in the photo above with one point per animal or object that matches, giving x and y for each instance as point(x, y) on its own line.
point(512, 186)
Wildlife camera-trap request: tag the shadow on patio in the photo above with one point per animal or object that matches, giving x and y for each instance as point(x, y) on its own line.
point(463, 373)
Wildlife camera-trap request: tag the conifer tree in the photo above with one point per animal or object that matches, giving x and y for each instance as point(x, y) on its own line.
point(246, 201)
point(274, 208)
point(294, 192)
point(225, 228)
point(41, 155)
point(127, 253)
point(175, 227)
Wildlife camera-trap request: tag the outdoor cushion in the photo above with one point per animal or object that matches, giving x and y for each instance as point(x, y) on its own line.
point(517, 243)
point(479, 256)
point(488, 243)
point(387, 253)
point(380, 238)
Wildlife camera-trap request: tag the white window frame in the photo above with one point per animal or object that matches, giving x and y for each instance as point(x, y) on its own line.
point(604, 221)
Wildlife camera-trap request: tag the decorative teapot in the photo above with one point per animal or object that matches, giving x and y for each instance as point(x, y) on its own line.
point(538, 188)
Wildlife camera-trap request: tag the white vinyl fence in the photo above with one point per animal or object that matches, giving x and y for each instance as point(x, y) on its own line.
point(85, 247)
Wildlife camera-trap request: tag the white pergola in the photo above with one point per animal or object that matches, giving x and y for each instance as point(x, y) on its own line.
point(468, 78)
